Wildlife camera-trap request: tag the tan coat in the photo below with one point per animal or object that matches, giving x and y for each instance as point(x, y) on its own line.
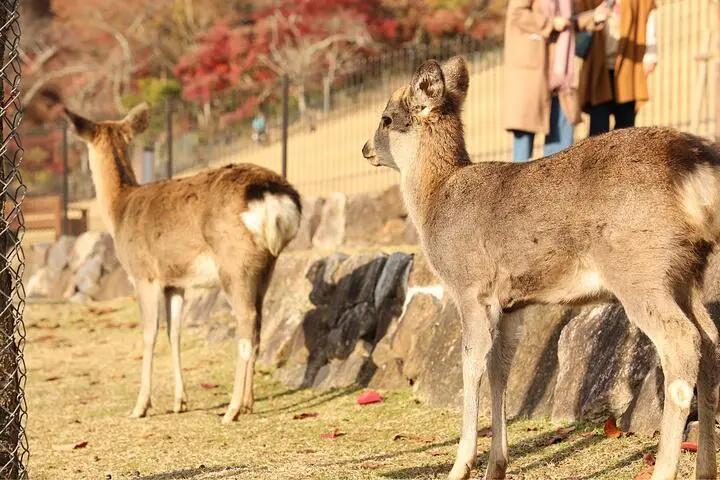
point(526, 94)
point(630, 79)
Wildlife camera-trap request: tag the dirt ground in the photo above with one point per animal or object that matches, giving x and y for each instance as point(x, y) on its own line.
point(83, 368)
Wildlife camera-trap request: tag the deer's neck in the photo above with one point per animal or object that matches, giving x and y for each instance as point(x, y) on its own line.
point(440, 153)
point(113, 177)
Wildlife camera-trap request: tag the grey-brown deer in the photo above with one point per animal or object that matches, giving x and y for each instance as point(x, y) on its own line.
point(221, 227)
point(631, 215)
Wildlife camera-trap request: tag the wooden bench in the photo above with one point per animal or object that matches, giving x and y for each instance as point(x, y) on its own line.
point(46, 213)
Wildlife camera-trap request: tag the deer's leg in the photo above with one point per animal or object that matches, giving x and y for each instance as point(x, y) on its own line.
point(498, 369)
point(477, 329)
point(707, 389)
point(677, 342)
point(173, 307)
point(242, 295)
point(149, 297)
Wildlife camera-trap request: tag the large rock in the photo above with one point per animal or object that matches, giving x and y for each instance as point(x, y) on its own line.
point(311, 214)
point(115, 284)
point(93, 244)
point(330, 232)
point(87, 277)
point(603, 362)
point(60, 252)
point(376, 219)
point(37, 258)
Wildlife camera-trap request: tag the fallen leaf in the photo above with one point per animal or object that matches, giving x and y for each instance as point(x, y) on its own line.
point(560, 435)
point(412, 438)
point(371, 396)
point(304, 415)
point(52, 379)
point(209, 386)
point(645, 473)
point(101, 310)
point(67, 447)
point(611, 430)
point(689, 446)
point(334, 433)
point(649, 459)
point(485, 432)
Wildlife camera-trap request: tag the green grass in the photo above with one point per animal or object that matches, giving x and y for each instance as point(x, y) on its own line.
point(83, 370)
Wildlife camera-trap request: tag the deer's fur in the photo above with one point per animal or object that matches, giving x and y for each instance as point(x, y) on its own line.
point(631, 215)
point(221, 227)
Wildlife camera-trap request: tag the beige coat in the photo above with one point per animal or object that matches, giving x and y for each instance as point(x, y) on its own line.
point(526, 94)
point(630, 78)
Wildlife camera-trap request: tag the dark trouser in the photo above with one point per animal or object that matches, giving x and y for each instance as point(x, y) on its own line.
point(624, 113)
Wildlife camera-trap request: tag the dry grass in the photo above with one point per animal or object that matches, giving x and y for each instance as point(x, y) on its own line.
point(83, 369)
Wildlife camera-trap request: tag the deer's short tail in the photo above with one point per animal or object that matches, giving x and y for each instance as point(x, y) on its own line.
point(699, 195)
point(273, 220)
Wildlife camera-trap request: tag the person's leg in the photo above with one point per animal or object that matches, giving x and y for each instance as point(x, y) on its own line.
point(600, 118)
point(522, 145)
point(560, 136)
point(624, 115)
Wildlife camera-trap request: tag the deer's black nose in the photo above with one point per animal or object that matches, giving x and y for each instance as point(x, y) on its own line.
point(368, 151)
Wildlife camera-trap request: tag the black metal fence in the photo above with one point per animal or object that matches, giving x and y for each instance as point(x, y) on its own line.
point(13, 442)
point(329, 115)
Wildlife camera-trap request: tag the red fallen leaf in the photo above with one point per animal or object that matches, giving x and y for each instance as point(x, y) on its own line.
point(304, 415)
point(689, 446)
point(649, 459)
point(82, 444)
point(52, 379)
point(371, 396)
point(334, 433)
point(560, 435)
point(67, 447)
point(611, 429)
point(209, 386)
point(645, 473)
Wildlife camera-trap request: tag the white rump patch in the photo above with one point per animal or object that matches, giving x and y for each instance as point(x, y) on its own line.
point(699, 199)
point(681, 393)
point(273, 221)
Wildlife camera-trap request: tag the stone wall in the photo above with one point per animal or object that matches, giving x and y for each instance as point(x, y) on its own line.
point(334, 319)
point(77, 269)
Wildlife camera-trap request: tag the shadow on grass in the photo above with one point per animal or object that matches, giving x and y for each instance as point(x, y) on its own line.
point(428, 471)
point(313, 401)
point(529, 446)
point(190, 473)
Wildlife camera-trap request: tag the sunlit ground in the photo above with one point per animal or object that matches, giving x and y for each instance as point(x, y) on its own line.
point(83, 370)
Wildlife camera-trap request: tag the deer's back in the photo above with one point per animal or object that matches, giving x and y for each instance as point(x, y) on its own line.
point(166, 226)
point(620, 192)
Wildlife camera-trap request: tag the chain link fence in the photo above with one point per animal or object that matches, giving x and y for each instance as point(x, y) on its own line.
point(13, 412)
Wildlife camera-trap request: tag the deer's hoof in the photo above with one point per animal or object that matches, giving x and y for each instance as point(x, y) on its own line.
point(459, 472)
point(180, 406)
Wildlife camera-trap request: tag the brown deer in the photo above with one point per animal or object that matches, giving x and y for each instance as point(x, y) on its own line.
point(220, 227)
point(631, 215)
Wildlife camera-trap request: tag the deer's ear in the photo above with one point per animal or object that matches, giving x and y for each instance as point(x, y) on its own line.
point(138, 118)
point(84, 128)
point(427, 88)
point(457, 78)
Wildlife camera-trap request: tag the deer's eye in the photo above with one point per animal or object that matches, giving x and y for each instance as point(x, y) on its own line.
point(386, 121)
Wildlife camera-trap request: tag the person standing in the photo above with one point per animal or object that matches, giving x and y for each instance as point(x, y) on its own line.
point(613, 78)
point(539, 93)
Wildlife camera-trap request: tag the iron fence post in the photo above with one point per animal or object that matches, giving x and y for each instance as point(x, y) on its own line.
point(66, 175)
point(169, 131)
point(285, 119)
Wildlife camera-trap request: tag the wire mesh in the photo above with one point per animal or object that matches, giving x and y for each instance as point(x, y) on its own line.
point(13, 412)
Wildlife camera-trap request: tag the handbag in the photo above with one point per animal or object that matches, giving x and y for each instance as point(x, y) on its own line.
point(583, 40)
